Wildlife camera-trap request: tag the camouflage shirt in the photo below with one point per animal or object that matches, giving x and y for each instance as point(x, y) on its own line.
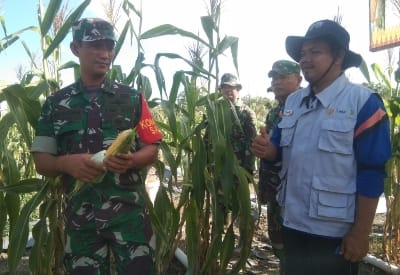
point(243, 135)
point(84, 121)
point(269, 172)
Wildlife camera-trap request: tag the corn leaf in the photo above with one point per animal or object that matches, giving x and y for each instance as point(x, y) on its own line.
point(62, 33)
point(19, 239)
point(52, 8)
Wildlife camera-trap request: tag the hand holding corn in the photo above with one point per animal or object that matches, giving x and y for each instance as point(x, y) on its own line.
point(122, 144)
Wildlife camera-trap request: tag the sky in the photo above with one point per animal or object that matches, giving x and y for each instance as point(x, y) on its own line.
point(261, 26)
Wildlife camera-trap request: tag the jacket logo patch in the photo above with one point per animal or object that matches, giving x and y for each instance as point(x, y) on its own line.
point(287, 112)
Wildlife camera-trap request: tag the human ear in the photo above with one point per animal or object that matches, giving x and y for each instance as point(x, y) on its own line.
point(340, 56)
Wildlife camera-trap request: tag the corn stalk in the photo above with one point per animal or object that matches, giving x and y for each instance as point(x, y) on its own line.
point(207, 165)
point(24, 102)
point(391, 234)
point(183, 121)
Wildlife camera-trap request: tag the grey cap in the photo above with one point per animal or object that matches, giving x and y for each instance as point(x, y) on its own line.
point(230, 80)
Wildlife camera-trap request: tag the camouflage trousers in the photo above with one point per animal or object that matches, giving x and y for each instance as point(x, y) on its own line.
point(88, 252)
point(274, 220)
point(267, 194)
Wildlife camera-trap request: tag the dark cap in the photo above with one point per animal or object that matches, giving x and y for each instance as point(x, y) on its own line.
point(324, 29)
point(284, 67)
point(230, 80)
point(92, 29)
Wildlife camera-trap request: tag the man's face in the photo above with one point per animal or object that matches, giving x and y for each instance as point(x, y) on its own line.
point(95, 57)
point(230, 92)
point(316, 58)
point(283, 85)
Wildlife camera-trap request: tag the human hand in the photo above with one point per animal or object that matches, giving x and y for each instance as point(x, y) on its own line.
point(119, 163)
point(261, 145)
point(81, 167)
point(354, 246)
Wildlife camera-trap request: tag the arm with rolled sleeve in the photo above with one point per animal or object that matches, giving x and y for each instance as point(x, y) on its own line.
point(44, 146)
point(46, 155)
point(372, 150)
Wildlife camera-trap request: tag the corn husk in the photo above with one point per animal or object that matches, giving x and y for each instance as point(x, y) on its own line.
point(122, 144)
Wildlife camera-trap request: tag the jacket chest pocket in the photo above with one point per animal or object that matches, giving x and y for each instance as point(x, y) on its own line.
point(288, 127)
point(337, 136)
point(68, 125)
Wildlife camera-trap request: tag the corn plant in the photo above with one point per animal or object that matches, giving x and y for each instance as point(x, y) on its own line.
point(391, 234)
point(24, 102)
point(207, 166)
point(391, 240)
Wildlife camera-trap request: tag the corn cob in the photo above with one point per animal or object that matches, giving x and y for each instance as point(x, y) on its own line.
point(124, 141)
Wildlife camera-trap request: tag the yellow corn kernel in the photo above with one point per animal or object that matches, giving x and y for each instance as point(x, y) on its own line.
point(122, 143)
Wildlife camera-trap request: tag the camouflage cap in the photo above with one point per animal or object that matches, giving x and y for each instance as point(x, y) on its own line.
point(284, 67)
point(230, 80)
point(92, 29)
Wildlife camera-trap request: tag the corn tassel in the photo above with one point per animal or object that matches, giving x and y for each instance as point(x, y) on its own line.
point(122, 144)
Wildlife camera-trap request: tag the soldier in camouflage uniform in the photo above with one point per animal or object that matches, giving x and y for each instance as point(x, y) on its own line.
point(285, 80)
point(80, 120)
point(242, 135)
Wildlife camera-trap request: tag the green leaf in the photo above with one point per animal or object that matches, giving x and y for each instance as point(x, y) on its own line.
point(208, 27)
point(6, 122)
point(13, 205)
point(28, 51)
point(10, 169)
point(44, 244)
point(168, 29)
point(11, 38)
point(62, 33)
point(381, 76)
point(168, 109)
point(179, 78)
point(192, 233)
point(23, 109)
point(226, 43)
point(364, 70)
point(127, 5)
point(3, 219)
point(33, 93)
point(121, 40)
point(177, 56)
point(397, 75)
point(145, 88)
point(19, 239)
point(23, 186)
point(169, 157)
point(234, 52)
point(228, 246)
point(3, 24)
point(8, 43)
point(52, 8)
